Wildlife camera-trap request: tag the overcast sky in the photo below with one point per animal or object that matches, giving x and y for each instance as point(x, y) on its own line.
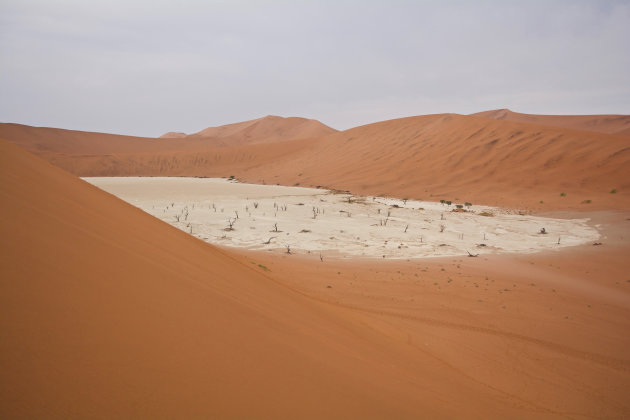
point(147, 67)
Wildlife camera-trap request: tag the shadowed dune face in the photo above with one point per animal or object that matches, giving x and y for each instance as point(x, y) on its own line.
point(611, 124)
point(431, 157)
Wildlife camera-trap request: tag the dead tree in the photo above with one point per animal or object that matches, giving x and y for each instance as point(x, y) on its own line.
point(472, 255)
point(288, 249)
point(230, 224)
point(269, 240)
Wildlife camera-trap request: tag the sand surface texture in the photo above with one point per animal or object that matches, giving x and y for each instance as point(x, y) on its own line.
point(304, 220)
point(108, 312)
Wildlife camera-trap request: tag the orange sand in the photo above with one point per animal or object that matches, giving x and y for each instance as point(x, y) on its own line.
point(108, 312)
point(433, 157)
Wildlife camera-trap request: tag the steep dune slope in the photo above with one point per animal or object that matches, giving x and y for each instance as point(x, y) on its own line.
point(612, 124)
point(107, 312)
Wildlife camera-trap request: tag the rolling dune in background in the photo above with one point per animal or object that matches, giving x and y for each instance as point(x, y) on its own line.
point(445, 156)
point(466, 159)
point(267, 129)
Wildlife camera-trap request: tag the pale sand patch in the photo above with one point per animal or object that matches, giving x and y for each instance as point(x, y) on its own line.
point(308, 220)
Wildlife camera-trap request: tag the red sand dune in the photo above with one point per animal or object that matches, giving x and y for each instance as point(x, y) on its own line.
point(612, 124)
point(445, 156)
point(173, 135)
point(463, 158)
point(262, 130)
point(108, 312)
point(268, 129)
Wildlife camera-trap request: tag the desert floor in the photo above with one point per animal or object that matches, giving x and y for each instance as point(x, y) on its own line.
point(545, 332)
point(309, 220)
point(529, 329)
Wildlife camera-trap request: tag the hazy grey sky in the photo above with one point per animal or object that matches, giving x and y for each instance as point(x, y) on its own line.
point(147, 67)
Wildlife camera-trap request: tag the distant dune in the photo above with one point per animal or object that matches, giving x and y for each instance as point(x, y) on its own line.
point(611, 124)
point(262, 130)
point(465, 158)
point(445, 156)
point(173, 135)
